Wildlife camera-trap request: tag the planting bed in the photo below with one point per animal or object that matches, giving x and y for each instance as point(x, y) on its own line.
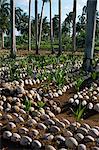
point(48, 103)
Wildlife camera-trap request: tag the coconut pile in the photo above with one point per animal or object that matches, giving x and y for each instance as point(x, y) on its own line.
point(87, 97)
point(39, 128)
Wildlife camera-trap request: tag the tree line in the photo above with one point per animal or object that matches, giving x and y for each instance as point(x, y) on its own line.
point(69, 33)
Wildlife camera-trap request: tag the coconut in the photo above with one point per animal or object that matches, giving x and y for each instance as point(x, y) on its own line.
point(84, 103)
point(38, 81)
point(77, 102)
point(30, 82)
point(55, 94)
point(94, 97)
point(71, 100)
point(7, 134)
point(26, 82)
point(96, 107)
point(59, 92)
point(90, 106)
point(23, 130)
point(34, 82)
point(75, 96)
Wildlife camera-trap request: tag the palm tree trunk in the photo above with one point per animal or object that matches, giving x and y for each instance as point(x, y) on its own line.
point(12, 20)
point(90, 36)
point(60, 31)
point(36, 24)
point(51, 27)
point(74, 27)
point(2, 34)
point(29, 26)
point(41, 21)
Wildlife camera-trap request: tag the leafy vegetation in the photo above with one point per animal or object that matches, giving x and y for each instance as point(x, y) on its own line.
point(79, 112)
point(27, 104)
point(22, 27)
point(79, 82)
point(94, 75)
point(40, 104)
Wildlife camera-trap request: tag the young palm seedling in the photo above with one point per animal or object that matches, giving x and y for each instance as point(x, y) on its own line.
point(78, 84)
point(27, 104)
point(95, 75)
point(59, 77)
point(40, 104)
point(14, 71)
point(79, 112)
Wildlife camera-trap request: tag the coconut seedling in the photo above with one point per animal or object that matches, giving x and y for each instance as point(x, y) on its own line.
point(40, 104)
point(78, 83)
point(94, 75)
point(23, 63)
point(30, 58)
point(29, 70)
point(59, 77)
point(79, 112)
point(14, 71)
point(27, 104)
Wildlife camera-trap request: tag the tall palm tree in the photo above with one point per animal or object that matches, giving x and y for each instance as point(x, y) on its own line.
point(12, 21)
point(74, 26)
point(41, 21)
point(36, 24)
point(18, 16)
point(55, 24)
point(4, 18)
point(90, 35)
point(29, 27)
point(22, 25)
point(66, 25)
point(45, 28)
point(60, 30)
point(51, 27)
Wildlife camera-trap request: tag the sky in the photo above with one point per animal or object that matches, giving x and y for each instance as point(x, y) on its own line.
point(67, 6)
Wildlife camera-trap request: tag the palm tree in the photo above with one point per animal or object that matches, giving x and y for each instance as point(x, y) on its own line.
point(90, 35)
point(4, 18)
point(12, 21)
point(66, 25)
point(60, 31)
point(29, 27)
point(36, 24)
point(22, 26)
point(74, 26)
point(45, 28)
point(18, 16)
point(41, 21)
point(55, 21)
point(51, 27)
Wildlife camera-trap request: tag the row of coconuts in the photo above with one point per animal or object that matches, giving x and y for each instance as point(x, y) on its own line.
point(39, 135)
point(87, 97)
point(27, 132)
point(4, 71)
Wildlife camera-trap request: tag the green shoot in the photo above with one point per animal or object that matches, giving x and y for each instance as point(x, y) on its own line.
point(40, 104)
point(79, 112)
point(27, 104)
